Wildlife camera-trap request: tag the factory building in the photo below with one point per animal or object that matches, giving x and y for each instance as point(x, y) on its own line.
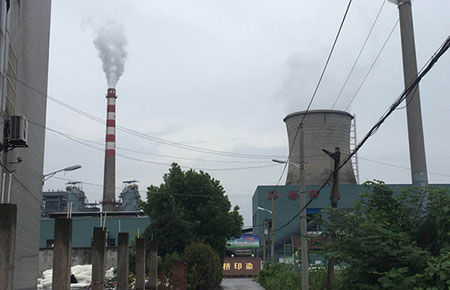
point(287, 204)
point(125, 216)
point(322, 129)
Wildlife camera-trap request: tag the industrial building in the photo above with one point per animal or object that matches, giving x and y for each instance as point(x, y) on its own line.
point(287, 205)
point(321, 129)
point(126, 216)
point(24, 57)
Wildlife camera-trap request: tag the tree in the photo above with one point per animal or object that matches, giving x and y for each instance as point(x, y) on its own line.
point(190, 206)
point(385, 243)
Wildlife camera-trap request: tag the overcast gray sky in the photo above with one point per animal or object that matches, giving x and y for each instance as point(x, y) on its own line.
point(222, 75)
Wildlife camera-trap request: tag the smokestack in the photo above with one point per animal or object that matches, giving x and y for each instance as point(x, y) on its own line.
point(109, 181)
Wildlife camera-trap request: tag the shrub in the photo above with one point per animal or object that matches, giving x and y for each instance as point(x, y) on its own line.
point(288, 277)
point(204, 267)
point(279, 276)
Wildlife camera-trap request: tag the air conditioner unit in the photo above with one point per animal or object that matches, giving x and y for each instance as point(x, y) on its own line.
point(18, 131)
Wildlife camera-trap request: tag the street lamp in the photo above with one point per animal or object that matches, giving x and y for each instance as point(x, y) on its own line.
point(70, 168)
point(298, 165)
point(264, 209)
point(272, 231)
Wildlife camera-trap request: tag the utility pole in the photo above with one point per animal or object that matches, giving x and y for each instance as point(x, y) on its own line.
point(265, 240)
point(413, 108)
point(272, 259)
point(303, 228)
point(336, 156)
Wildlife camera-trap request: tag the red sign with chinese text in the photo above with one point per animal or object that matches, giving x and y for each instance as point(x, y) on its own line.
point(245, 266)
point(273, 194)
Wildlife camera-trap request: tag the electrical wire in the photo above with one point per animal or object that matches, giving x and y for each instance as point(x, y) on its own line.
point(147, 161)
point(359, 54)
point(372, 66)
point(21, 183)
point(401, 167)
point(147, 136)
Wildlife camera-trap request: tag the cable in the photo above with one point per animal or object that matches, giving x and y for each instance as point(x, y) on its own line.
point(399, 166)
point(147, 161)
point(20, 182)
point(364, 79)
point(442, 49)
point(372, 66)
point(146, 136)
point(161, 155)
point(360, 53)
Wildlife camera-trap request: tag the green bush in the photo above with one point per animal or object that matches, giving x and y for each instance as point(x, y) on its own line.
point(204, 267)
point(279, 276)
point(288, 277)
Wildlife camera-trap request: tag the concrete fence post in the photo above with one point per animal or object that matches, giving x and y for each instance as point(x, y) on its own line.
point(62, 251)
point(140, 264)
point(179, 275)
point(153, 266)
point(122, 262)
point(98, 259)
point(8, 220)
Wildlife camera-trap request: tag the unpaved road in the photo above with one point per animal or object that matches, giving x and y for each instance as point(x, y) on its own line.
point(240, 284)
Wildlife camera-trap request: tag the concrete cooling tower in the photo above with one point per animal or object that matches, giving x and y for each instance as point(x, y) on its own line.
point(322, 129)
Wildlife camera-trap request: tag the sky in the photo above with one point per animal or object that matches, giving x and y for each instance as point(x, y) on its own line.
point(222, 75)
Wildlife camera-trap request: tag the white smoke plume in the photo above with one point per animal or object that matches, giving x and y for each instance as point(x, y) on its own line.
point(111, 44)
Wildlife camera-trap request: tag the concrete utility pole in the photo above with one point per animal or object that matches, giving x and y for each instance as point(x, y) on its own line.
point(413, 109)
point(272, 246)
point(303, 227)
point(334, 201)
point(265, 240)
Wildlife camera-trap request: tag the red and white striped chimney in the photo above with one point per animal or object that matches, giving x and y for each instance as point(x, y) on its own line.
point(109, 179)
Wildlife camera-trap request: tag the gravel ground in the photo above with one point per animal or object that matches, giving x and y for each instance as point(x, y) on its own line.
point(240, 284)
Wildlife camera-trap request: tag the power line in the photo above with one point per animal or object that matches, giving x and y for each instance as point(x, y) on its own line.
point(165, 156)
point(442, 49)
point(21, 183)
point(365, 77)
point(372, 66)
point(401, 167)
point(147, 136)
point(147, 161)
point(360, 53)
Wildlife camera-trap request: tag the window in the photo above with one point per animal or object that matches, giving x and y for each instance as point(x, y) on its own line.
point(50, 243)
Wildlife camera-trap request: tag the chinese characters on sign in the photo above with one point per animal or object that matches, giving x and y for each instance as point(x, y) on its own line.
point(273, 194)
point(293, 195)
point(241, 266)
point(238, 266)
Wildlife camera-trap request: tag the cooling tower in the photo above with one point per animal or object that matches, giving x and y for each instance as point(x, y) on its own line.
point(109, 177)
point(322, 129)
